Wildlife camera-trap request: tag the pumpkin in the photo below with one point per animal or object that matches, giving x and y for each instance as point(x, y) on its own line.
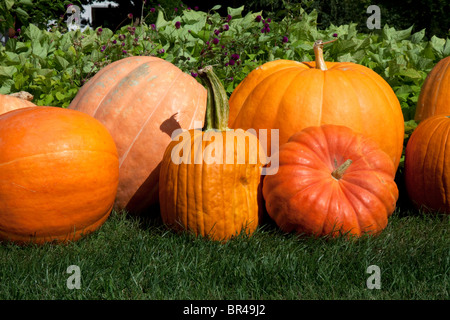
point(331, 181)
point(209, 180)
point(9, 103)
point(290, 96)
point(59, 172)
point(427, 171)
point(434, 97)
point(141, 100)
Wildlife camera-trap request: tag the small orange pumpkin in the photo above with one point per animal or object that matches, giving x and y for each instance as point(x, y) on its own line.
point(434, 97)
point(331, 181)
point(59, 172)
point(141, 100)
point(212, 193)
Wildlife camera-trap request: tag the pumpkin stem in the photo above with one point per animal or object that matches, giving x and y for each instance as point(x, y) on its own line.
point(339, 172)
point(217, 107)
point(318, 53)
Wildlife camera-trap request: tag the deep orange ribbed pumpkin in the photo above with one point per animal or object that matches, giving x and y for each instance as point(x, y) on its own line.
point(59, 172)
point(331, 181)
point(434, 95)
point(9, 103)
point(141, 100)
point(289, 96)
point(427, 164)
point(209, 180)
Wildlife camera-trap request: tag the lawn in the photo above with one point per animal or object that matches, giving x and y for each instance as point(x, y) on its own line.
point(131, 258)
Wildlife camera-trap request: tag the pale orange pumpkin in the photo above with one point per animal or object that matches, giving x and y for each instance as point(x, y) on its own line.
point(141, 100)
point(9, 103)
point(59, 173)
point(290, 96)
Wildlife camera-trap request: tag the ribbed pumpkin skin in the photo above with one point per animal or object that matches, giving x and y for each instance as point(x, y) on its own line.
point(290, 96)
point(141, 100)
point(213, 200)
point(434, 97)
point(305, 198)
point(427, 156)
point(59, 172)
point(8, 103)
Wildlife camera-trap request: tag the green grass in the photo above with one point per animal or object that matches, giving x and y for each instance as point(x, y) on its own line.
point(130, 259)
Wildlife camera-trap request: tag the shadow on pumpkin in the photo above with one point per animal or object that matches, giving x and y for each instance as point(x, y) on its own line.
point(145, 201)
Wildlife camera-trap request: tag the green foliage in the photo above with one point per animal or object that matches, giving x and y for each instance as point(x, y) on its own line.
point(53, 65)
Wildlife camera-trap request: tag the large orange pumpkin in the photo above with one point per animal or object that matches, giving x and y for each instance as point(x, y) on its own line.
point(9, 103)
point(209, 180)
point(434, 97)
point(141, 101)
point(331, 181)
point(289, 96)
point(427, 164)
point(59, 172)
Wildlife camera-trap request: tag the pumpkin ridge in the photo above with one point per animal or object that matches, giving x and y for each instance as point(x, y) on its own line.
point(119, 81)
point(124, 156)
point(425, 159)
point(56, 152)
point(443, 72)
point(372, 75)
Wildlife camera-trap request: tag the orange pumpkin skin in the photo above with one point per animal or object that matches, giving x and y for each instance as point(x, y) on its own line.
point(213, 200)
point(59, 172)
point(434, 97)
point(141, 100)
point(307, 197)
point(9, 103)
point(427, 177)
point(290, 96)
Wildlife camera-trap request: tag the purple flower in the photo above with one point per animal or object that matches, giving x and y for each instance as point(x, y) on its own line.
point(124, 51)
point(216, 32)
point(99, 31)
point(226, 27)
point(103, 48)
point(194, 74)
point(269, 20)
point(114, 41)
point(176, 9)
point(335, 35)
point(123, 44)
point(130, 16)
point(121, 37)
point(235, 56)
point(285, 39)
point(196, 8)
point(152, 10)
point(229, 17)
point(178, 24)
point(215, 40)
point(153, 26)
point(18, 30)
point(232, 62)
point(258, 18)
point(161, 51)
